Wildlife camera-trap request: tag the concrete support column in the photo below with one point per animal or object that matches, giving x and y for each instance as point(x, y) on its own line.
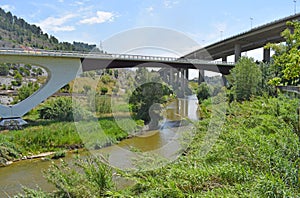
point(177, 74)
point(267, 55)
point(182, 80)
point(224, 59)
point(165, 76)
point(172, 77)
point(201, 77)
point(237, 52)
point(187, 74)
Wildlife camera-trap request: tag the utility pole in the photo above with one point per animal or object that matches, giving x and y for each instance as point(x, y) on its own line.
point(295, 6)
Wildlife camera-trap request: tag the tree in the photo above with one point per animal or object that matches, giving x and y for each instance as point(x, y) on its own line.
point(203, 92)
point(145, 96)
point(287, 56)
point(18, 79)
point(246, 77)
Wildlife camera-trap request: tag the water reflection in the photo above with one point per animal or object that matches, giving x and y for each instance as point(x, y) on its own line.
point(165, 143)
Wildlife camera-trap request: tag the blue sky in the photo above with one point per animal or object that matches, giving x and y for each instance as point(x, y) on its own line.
point(95, 20)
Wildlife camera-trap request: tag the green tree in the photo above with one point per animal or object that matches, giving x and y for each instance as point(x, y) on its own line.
point(18, 78)
point(287, 56)
point(246, 77)
point(145, 96)
point(203, 92)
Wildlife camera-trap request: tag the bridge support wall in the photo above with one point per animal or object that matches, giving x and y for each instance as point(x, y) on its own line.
point(60, 72)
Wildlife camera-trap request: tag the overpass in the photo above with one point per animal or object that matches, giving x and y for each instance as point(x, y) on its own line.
point(255, 38)
point(62, 67)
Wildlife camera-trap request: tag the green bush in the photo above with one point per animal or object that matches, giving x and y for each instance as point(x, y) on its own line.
point(62, 109)
point(203, 92)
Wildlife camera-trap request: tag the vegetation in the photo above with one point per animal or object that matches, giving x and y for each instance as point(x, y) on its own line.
point(145, 96)
point(203, 92)
point(246, 79)
point(16, 33)
point(93, 178)
point(286, 57)
point(62, 109)
point(44, 136)
point(256, 155)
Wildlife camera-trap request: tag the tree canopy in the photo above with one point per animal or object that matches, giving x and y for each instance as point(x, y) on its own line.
point(287, 56)
point(246, 77)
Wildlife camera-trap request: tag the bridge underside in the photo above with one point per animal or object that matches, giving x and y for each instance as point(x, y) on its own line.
point(96, 64)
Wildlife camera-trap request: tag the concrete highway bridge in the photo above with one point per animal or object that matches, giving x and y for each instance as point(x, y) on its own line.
point(62, 67)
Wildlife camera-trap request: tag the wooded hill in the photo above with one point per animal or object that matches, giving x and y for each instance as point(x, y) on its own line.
point(16, 32)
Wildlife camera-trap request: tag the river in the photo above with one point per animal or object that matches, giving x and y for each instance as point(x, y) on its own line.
point(164, 142)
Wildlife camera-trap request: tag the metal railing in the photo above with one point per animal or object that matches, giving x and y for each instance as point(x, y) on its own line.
point(98, 55)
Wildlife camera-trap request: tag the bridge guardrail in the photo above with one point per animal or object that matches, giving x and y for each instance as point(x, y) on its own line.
point(39, 52)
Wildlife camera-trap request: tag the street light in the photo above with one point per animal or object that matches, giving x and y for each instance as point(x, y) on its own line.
point(251, 19)
point(221, 34)
point(295, 6)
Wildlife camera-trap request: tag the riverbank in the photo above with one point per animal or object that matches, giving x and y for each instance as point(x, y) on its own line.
point(53, 137)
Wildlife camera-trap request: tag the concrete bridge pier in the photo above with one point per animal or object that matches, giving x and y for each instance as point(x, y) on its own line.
point(60, 72)
point(201, 76)
point(267, 55)
point(237, 52)
point(171, 77)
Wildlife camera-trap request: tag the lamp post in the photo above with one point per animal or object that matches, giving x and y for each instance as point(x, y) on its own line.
point(221, 32)
point(251, 19)
point(295, 6)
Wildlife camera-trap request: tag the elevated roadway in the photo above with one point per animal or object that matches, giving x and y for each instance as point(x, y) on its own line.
point(253, 39)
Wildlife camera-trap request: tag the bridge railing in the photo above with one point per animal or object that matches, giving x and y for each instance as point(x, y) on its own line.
point(39, 52)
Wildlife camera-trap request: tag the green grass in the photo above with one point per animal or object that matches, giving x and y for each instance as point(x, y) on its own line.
point(256, 155)
point(43, 136)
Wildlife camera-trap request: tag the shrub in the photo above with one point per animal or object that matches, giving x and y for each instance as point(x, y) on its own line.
point(62, 109)
point(203, 92)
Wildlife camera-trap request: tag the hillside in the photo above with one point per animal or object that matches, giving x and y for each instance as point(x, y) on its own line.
point(16, 32)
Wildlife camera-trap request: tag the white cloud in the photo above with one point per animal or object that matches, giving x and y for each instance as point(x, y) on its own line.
point(57, 24)
point(101, 17)
point(60, 1)
point(7, 7)
point(150, 9)
point(170, 3)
